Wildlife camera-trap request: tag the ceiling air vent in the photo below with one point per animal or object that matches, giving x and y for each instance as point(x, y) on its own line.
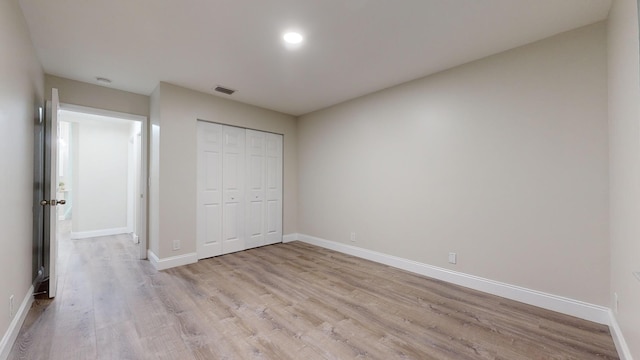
point(224, 90)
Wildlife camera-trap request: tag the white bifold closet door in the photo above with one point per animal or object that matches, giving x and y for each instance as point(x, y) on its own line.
point(233, 189)
point(209, 214)
point(264, 188)
point(239, 189)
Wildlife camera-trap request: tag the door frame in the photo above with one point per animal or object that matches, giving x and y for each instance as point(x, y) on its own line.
point(144, 182)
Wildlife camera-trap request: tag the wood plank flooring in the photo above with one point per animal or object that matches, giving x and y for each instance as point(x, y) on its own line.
point(285, 301)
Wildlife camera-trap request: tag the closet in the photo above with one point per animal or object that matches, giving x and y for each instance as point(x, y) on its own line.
point(239, 185)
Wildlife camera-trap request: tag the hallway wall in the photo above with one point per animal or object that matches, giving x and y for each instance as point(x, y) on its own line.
point(21, 94)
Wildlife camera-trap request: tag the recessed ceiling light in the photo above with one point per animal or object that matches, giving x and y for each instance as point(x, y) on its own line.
point(292, 38)
point(103, 80)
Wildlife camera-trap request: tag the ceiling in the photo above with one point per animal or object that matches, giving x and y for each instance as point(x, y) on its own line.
point(351, 47)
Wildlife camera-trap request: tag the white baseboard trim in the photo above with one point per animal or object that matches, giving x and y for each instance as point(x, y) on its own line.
point(172, 261)
point(97, 233)
point(290, 237)
point(11, 335)
point(583, 310)
point(618, 338)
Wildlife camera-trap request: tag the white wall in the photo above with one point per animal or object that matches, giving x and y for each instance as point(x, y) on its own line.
point(101, 190)
point(21, 93)
point(624, 129)
point(174, 114)
point(503, 160)
point(96, 96)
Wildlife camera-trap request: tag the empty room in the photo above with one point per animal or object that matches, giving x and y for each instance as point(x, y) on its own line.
point(419, 179)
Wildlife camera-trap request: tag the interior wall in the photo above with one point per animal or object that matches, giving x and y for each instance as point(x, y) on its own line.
point(101, 191)
point(502, 160)
point(21, 93)
point(624, 129)
point(96, 96)
point(174, 140)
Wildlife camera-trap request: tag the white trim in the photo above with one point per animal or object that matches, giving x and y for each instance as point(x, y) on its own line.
point(583, 310)
point(618, 338)
point(97, 233)
point(141, 228)
point(132, 194)
point(135, 238)
point(11, 335)
point(172, 261)
point(290, 237)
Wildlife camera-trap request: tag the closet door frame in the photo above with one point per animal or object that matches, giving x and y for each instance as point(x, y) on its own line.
point(275, 236)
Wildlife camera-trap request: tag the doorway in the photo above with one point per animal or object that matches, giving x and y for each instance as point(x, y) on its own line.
point(101, 174)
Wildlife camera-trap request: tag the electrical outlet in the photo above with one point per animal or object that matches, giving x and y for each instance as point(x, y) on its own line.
point(176, 245)
point(11, 307)
point(453, 258)
point(353, 236)
point(616, 302)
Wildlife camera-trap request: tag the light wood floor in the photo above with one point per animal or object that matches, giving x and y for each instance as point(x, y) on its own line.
point(285, 301)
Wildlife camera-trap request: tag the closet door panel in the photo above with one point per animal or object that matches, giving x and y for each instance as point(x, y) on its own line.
point(231, 221)
point(273, 222)
point(209, 184)
point(256, 148)
point(273, 216)
point(254, 224)
point(233, 173)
